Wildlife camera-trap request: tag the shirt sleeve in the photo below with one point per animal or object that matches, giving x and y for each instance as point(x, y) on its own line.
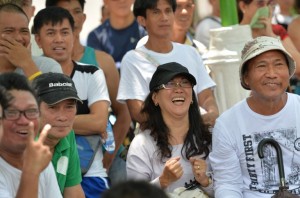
point(133, 80)
point(97, 88)
point(74, 171)
point(138, 163)
point(225, 164)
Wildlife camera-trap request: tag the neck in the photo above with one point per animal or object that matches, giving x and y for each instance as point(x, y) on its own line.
point(159, 46)
point(267, 107)
point(121, 22)
point(67, 66)
point(14, 159)
point(51, 142)
point(78, 49)
point(178, 129)
point(215, 13)
point(244, 21)
point(179, 36)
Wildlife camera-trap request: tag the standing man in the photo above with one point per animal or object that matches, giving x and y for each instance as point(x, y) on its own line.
point(25, 164)
point(210, 22)
point(57, 98)
point(269, 112)
point(183, 20)
point(138, 66)
point(54, 29)
point(120, 33)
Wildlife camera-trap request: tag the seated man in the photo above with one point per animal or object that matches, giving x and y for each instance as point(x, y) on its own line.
point(25, 165)
point(15, 42)
point(54, 33)
point(269, 112)
point(57, 98)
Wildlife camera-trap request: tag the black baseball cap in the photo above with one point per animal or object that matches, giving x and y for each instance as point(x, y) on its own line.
point(166, 72)
point(53, 88)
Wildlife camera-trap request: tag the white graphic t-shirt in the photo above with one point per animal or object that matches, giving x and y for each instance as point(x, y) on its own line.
point(238, 170)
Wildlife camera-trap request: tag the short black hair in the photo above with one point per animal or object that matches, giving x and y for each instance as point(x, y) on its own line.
point(134, 189)
point(51, 15)
point(55, 2)
point(140, 6)
point(14, 81)
point(5, 98)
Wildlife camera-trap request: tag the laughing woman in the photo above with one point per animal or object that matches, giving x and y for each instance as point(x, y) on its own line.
point(172, 147)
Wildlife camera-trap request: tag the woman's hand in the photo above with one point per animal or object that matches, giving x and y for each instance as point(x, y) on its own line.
point(199, 168)
point(267, 22)
point(171, 173)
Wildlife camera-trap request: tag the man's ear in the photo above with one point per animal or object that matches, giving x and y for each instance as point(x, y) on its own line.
point(141, 20)
point(37, 39)
point(84, 17)
point(32, 10)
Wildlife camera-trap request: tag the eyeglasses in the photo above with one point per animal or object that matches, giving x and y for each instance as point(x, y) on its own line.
point(172, 85)
point(30, 114)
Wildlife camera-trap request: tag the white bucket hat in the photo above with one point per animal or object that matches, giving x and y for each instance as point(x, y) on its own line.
point(260, 45)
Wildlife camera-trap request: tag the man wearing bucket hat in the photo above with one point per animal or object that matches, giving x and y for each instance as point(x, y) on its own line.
point(269, 112)
point(57, 98)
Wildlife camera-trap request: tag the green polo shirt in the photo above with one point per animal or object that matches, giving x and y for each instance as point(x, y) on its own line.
point(66, 162)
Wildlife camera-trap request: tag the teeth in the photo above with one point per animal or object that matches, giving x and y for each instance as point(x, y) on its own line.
point(23, 132)
point(178, 99)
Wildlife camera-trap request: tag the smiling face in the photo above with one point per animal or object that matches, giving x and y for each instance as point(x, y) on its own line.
point(13, 25)
point(268, 76)
point(60, 116)
point(184, 14)
point(15, 132)
point(56, 41)
point(174, 103)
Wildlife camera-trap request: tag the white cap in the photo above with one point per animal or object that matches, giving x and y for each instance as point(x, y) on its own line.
point(260, 45)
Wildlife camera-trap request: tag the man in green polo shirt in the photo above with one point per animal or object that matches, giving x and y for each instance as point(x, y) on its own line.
point(57, 97)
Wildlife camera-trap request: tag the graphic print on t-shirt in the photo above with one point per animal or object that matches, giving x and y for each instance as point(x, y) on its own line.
point(264, 173)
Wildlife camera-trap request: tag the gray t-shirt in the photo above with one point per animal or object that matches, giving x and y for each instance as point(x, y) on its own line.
point(45, 64)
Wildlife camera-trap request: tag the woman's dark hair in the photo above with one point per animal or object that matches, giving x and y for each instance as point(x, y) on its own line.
point(197, 140)
point(240, 13)
point(140, 6)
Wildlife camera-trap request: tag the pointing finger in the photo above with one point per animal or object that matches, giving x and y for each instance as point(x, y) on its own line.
point(31, 132)
point(44, 133)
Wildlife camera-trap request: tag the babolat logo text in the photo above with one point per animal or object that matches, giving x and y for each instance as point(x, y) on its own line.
point(60, 84)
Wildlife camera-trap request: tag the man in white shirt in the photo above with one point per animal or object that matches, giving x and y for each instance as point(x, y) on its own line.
point(25, 168)
point(269, 112)
point(138, 66)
